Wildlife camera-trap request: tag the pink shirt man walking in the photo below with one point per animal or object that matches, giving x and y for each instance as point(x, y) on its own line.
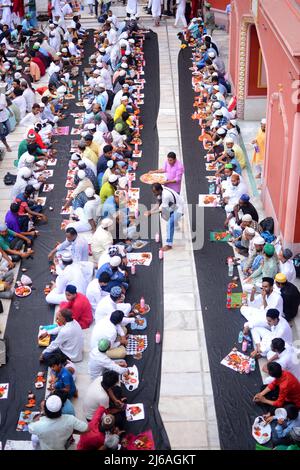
point(174, 171)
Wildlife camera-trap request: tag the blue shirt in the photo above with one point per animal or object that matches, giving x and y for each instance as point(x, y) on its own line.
point(65, 379)
point(109, 207)
point(237, 165)
point(114, 275)
point(68, 408)
point(102, 164)
point(289, 424)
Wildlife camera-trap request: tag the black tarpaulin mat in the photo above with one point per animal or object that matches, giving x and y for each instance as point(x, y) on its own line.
point(23, 323)
point(148, 281)
point(233, 392)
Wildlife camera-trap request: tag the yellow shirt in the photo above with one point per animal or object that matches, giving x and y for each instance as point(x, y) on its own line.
point(258, 157)
point(95, 148)
point(119, 111)
point(88, 153)
point(239, 155)
point(106, 191)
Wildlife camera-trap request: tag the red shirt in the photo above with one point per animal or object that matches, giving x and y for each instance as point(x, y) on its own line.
point(289, 389)
point(93, 439)
point(38, 139)
point(81, 309)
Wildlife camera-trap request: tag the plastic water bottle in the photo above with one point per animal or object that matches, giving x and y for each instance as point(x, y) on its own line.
point(160, 253)
point(142, 303)
point(244, 345)
point(252, 364)
point(133, 269)
point(247, 368)
point(230, 267)
point(157, 237)
point(211, 188)
point(241, 336)
point(157, 337)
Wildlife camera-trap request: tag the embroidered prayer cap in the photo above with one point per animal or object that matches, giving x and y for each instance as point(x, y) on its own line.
point(115, 261)
point(66, 256)
point(115, 292)
point(53, 403)
point(103, 345)
point(269, 249)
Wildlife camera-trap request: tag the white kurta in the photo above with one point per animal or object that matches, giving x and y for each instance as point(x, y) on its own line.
point(287, 361)
point(98, 361)
point(156, 8)
point(180, 13)
point(131, 7)
point(95, 294)
point(265, 335)
point(69, 340)
point(255, 311)
point(6, 12)
point(107, 306)
point(289, 270)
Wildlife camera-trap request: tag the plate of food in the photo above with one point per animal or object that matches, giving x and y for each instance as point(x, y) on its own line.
point(208, 200)
point(131, 379)
point(141, 259)
point(139, 324)
point(150, 178)
point(212, 166)
point(135, 412)
point(47, 173)
point(25, 418)
point(65, 211)
point(138, 310)
point(138, 244)
point(23, 291)
point(69, 96)
point(261, 431)
point(41, 201)
point(48, 187)
point(236, 361)
point(69, 183)
point(51, 161)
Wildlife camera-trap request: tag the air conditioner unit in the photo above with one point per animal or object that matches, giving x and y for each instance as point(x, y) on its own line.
point(2, 352)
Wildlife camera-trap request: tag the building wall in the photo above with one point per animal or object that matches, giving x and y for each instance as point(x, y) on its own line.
point(282, 165)
point(219, 4)
point(254, 64)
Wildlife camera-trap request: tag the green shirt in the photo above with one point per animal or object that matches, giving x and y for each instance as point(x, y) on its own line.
point(106, 191)
point(5, 241)
point(23, 147)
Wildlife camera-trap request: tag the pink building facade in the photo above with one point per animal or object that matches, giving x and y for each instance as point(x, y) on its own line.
point(264, 66)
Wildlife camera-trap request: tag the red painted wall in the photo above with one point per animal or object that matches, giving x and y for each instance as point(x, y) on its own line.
point(253, 89)
point(219, 4)
point(282, 175)
point(297, 228)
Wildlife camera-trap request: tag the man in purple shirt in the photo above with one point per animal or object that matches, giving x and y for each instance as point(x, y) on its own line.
point(12, 221)
point(174, 171)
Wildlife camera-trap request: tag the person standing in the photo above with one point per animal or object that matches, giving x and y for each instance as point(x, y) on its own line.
point(171, 207)
point(174, 170)
point(259, 148)
point(6, 12)
point(156, 11)
point(180, 13)
point(209, 19)
point(4, 118)
point(131, 8)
